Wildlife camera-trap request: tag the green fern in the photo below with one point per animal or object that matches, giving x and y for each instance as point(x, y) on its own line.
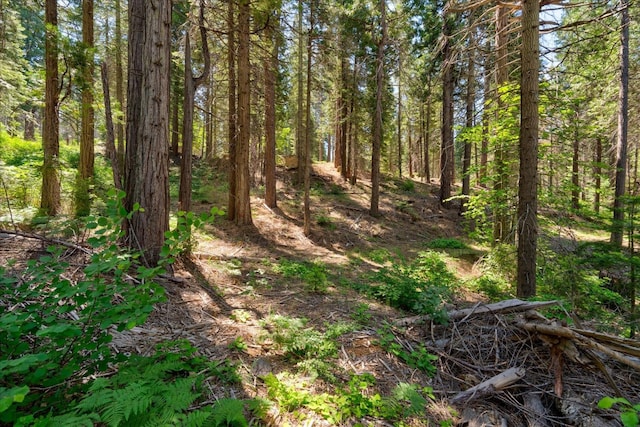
point(228, 413)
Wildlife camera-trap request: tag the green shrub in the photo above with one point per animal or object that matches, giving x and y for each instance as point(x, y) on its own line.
point(54, 330)
point(494, 287)
point(421, 286)
point(447, 243)
point(313, 274)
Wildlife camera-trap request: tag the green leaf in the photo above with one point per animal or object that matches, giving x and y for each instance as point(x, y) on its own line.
point(12, 395)
point(629, 419)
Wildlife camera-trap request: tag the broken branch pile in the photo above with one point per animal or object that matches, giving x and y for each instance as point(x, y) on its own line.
point(507, 364)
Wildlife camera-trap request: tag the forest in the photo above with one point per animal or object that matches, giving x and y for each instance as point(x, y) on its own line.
point(308, 213)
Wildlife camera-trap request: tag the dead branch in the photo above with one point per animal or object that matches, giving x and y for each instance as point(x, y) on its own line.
point(502, 307)
point(490, 386)
point(565, 332)
point(47, 239)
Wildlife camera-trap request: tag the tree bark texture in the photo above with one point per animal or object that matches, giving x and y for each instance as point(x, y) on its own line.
point(233, 113)
point(87, 155)
point(243, 202)
point(501, 221)
point(528, 139)
point(378, 135)
point(623, 125)
point(50, 196)
point(447, 150)
point(270, 67)
point(148, 178)
point(191, 84)
point(110, 138)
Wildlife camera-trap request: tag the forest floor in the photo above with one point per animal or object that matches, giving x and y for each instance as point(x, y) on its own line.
point(225, 297)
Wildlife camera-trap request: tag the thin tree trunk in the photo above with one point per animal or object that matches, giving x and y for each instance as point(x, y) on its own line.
point(528, 186)
point(50, 195)
point(484, 149)
point(233, 113)
point(307, 155)
point(243, 201)
point(501, 229)
point(598, 175)
point(470, 110)
point(617, 226)
point(378, 132)
point(111, 144)
point(300, 100)
point(575, 172)
point(447, 150)
point(87, 156)
point(399, 135)
point(270, 69)
point(191, 84)
point(120, 118)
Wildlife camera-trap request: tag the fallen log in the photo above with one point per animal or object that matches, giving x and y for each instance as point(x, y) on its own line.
point(502, 307)
point(490, 386)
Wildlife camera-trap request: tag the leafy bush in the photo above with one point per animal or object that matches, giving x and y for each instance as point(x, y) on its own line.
point(494, 287)
point(420, 286)
point(54, 330)
point(157, 390)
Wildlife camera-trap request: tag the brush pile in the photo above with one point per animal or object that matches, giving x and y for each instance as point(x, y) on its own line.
point(506, 364)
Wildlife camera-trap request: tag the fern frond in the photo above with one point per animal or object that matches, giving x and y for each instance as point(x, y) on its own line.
point(136, 398)
point(196, 418)
point(179, 395)
point(96, 399)
point(228, 413)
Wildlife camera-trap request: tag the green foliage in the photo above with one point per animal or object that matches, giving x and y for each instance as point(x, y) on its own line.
point(310, 348)
point(325, 221)
point(420, 286)
point(406, 185)
point(180, 240)
point(238, 344)
point(447, 243)
point(494, 287)
point(630, 414)
point(361, 314)
point(418, 358)
point(355, 401)
point(54, 330)
point(157, 390)
point(313, 274)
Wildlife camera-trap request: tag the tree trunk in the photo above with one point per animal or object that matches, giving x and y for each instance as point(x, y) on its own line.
point(87, 156)
point(501, 229)
point(575, 172)
point(307, 133)
point(378, 132)
point(598, 175)
point(243, 202)
point(399, 135)
point(120, 147)
point(175, 112)
point(191, 84)
point(50, 196)
point(470, 110)
point(447, 151)
point(617, 226)
point(148, 177)
point(300, 100)
point(233, 112)
point(110, 142)
point(484, 149)
point(270, 70)
point(528, 139)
